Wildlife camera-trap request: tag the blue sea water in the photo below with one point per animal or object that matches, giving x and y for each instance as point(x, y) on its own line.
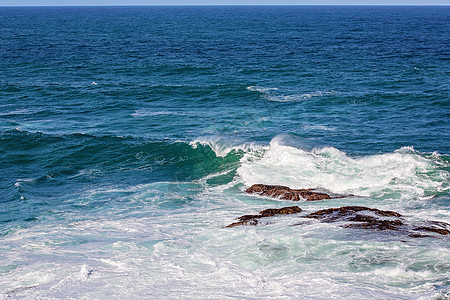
point(129, 134)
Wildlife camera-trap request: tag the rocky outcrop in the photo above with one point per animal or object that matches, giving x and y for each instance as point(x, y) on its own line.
point(286, 193)
point(358, 217)
point(253, 219)
point(434, 226)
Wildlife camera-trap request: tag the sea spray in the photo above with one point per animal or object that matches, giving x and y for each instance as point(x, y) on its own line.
point(403, 174)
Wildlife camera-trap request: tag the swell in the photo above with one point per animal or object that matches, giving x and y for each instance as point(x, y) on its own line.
point(39, 165)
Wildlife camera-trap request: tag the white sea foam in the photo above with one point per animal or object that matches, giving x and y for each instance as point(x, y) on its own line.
point(260, 89)
point(297, 97)
point(91, 173)
point(319, 127)
point(402, 174)
point(145, 113)
point(136, 253)
point(24, 111)
point(277, 95)
point(167, 240)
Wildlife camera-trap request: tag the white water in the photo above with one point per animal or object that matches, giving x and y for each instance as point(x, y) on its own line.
point(403, 174)
point(167, 240)
point(279, 95)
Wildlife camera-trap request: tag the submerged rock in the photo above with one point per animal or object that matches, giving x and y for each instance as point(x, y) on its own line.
point(286, 193)
point(253, 219)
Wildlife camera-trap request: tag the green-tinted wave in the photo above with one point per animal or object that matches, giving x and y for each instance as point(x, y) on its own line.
point(38, 164)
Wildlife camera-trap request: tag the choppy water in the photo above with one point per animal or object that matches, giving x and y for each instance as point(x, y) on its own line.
point(129, 134)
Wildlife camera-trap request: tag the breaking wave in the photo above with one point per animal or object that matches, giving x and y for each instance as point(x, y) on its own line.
point(405, 173)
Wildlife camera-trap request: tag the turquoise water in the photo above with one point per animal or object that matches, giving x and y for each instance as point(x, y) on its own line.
point(129, 134)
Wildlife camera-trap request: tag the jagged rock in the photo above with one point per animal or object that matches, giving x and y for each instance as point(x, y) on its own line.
point(364, 217)
point(350, 211)
point(284, 192)
point(280, 211)
point(253, 219)
point(434, 226)
point(372, 218)
point(358, 217)
point(377, 224)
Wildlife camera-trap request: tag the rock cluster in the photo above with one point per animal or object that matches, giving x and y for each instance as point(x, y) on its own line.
point(364, 217)
point(359, 217)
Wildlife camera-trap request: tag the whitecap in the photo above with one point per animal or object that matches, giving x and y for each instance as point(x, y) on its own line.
point(24, 111)
point(319, 127)
point(146, 113)
point(277, 95)
point(402, 174)
point(260, 89)
point(297, 97)
point(222, 148)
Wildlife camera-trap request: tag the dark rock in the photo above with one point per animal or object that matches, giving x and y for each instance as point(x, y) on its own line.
point(285, 193)
point(431, 229)
point(280, 211)
point(377, 225)
point(415, 235)
point(338, 213)
point(358, 217)
point(364, 217)
point(253, 219)
point(434, 226)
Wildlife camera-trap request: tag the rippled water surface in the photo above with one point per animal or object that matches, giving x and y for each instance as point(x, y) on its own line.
point(128, 136)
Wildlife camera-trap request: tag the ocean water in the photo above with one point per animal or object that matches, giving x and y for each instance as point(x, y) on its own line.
point(128, 136)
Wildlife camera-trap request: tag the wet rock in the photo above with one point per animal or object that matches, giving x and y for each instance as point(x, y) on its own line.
point(363, 217)
point(434, 226)
point(254, 219)
point(280, 211)
point(338, 213)
point(286, 193)
point(358, 217)
point(377, 225)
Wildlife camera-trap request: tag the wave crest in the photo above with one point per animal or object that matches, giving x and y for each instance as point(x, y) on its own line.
point(404, 173)
point(222, 148)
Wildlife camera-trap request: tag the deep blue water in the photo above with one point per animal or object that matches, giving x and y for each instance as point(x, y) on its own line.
point(127, 114)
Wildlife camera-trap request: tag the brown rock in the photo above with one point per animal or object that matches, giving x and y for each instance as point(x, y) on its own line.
point(285, 193)
point(432, 229)
point(435, 226)
point(280, 211)
point(358, 217)
point(338, 213)
point(377, 225)
point(253, 219)
point(358, 214)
